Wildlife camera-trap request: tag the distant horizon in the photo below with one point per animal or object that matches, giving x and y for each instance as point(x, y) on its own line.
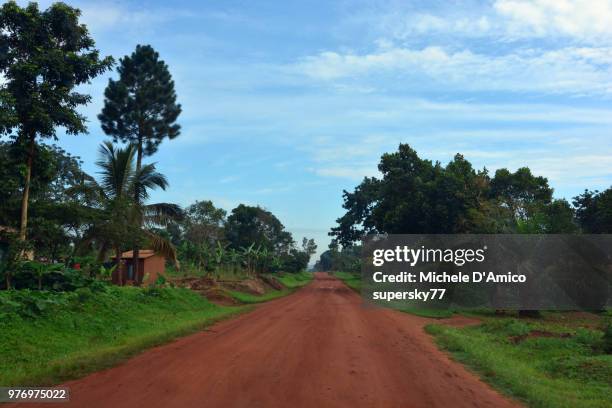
point(287, 104)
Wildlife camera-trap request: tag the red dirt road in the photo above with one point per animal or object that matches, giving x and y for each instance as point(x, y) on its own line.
point(316, 348)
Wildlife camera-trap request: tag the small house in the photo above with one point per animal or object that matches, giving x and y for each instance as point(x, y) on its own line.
point(151, 265)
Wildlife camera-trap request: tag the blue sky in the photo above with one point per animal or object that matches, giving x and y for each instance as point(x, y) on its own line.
point(287, 103)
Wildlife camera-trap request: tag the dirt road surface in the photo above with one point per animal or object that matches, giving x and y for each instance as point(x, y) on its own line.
point(316, 348)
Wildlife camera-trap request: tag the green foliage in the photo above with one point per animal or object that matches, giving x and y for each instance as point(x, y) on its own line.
point(45, 56)
point(105, 273)
point(290, 281)
point(251, 239)
point(542, 362)
point(56, 277)
point(419, 196)
point(49, 337)
point(122, 224)
point(203, 222)
point(294, 280)
point(247, 225)
point(140, 107)
point(347, 259)
point(594, 211)
point(352, 280)
point(607, 339)
point(59, 207)
point(249, 298)
point(12, 259)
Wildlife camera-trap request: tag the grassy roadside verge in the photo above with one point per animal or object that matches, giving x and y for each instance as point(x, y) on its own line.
point(545, 363)
point(291, 282)
point(353, 281)
point(47, 338)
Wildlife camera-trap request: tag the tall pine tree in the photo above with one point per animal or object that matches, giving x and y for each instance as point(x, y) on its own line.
point(140, 109)
point(44, 55)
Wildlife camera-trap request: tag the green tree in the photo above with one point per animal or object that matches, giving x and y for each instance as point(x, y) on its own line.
point(309, 246)
point(521, 192)
point(203, 222)
point(414, 196)
point(247, 225)
point(594, 211)
point(58, 210)
point(417, 196)
point(140, 107)
point(45, 55)
point(127, 221)
point(346, 259)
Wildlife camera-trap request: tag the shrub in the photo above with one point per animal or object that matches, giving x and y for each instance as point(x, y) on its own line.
point(607, 339)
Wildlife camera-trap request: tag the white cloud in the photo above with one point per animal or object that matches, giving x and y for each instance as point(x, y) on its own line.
point(572, 70)
point(405, 26)
point(581, 19)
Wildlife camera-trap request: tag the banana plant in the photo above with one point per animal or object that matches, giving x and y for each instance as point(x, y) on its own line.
point(106, 273)
point(276, 263)
point(248, 256)
point(41, 270)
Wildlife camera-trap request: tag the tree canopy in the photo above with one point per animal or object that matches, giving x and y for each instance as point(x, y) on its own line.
point(594, 211)
point(45, 55)
point(140, 107)
point(415, 195)
point(247, 225)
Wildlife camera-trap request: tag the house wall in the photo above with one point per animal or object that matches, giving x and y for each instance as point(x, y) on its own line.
point(150, 268)
point(154, 266)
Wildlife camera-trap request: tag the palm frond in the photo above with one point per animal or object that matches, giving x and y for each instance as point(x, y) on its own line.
point(162, 247)
point(149, 179)
point(162, 213)
point(117, 168)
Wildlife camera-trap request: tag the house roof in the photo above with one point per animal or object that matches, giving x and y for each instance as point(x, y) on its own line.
point(142, 254)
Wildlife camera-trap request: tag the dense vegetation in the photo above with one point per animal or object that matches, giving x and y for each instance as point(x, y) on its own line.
point(290, 282)
point(555, 360)
point(418, 196)
point(47, 337)
point(79, 223)
point(63, 232)
point(559, 360)
point(415, 195)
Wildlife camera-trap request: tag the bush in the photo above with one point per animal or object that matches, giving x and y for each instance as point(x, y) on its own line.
point(51, 276)
point(29, 303)
point(507, 327)
point(607, 339)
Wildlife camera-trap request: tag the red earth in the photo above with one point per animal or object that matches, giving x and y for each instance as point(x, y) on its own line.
point(320, 347)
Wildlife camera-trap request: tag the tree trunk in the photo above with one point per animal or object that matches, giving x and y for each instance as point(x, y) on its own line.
point(118, 268)
point(136, 249)
point(26, 190)
point(8, 280)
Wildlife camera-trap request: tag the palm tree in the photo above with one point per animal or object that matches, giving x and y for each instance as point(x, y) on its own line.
point(124, 220)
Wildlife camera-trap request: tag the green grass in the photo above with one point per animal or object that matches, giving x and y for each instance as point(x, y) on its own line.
point(291, 281)
point(294, 280)
point(192, 271)
point(351, 280)
point(47, 338)
point(433, 313)
point(566, 368)
point(250, 298)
